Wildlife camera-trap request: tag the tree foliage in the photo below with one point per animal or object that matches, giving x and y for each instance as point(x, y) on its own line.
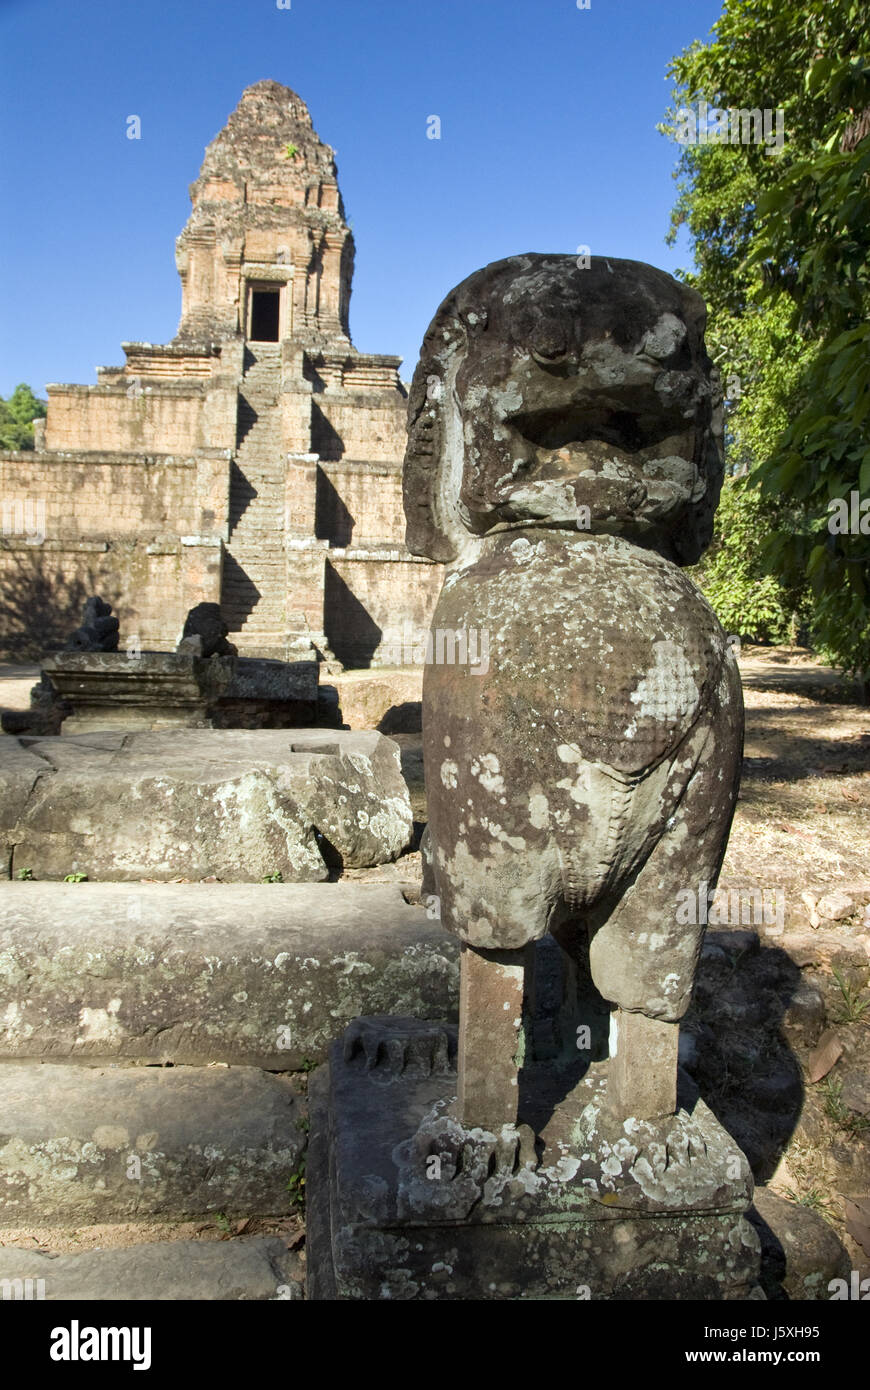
point(749, 602)
point(16, 418)
point(782, 248)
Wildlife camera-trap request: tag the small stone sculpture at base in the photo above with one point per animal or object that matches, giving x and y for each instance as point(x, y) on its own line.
point(407, 1202)
point(204, 621)
point(99, 630)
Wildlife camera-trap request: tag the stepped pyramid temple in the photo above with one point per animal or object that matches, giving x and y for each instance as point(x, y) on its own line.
point(253, 461)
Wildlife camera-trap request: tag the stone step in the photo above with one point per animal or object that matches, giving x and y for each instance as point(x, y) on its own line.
point(270, 586)
point(261, 527)
point(272, 574)
point(273, 559)
point(265, 438)
point(257, 574)
point(265, 455)
point(256, 632)
point(251, 538)
point(248, 1268)
point(236, 604)
point(82, 1144)
point(265, 619)
point(266, 615)
point(261, 975)
point(265, 527)
point(264, 473)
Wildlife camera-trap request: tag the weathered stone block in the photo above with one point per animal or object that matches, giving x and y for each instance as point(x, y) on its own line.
point(249, 974)
point(233, 804)
point(151, 690)
point(249, 1268)
point(82, 1144)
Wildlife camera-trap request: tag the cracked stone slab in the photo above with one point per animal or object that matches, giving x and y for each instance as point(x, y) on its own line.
point(20, 770)
point(258, 974)
point(81, 1145)
point(248, 1269)
point(195, 803)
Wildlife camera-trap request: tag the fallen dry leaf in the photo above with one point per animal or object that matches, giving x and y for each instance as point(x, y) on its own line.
point(858, 1220)
point(788, 829)
point(824, 1057)
point(242, 1226)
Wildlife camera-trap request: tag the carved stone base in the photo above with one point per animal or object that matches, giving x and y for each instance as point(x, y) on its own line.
point(154, 690)
point(406, 1203)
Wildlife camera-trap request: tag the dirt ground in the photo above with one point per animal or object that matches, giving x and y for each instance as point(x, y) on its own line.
point(778, 1035)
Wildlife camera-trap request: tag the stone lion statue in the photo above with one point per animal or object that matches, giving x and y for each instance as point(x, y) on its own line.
point(564, 462)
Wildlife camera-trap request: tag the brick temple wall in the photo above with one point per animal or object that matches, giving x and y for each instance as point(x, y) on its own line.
point(166, 419)
point(143, 532)
point(371, 600)
point(347, 427)
point(359, 503)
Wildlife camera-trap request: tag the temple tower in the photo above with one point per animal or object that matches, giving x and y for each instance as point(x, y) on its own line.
point(255, 460)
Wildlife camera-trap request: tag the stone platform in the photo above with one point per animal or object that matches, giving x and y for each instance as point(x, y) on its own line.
point(171, 690)
point(153, 690)
point(405, 1203)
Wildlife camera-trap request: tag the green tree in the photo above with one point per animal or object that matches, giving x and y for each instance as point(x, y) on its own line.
point(16, 418)
point(781, 240)
point(748, 601)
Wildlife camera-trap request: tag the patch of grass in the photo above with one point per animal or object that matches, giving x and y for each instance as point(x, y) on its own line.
point(25, 875)
point(222, 1222)
point(306, 1064)
point(839, 1112)
point(814, 1198)
point(853, 1007)
point(276, 877)
point(75, 878)
point(296, 1185)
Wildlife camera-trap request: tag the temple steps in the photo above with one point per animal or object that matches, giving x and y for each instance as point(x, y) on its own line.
point(248, 1268)
point(118, 1144)
point(150, 1073)
point(254, 586)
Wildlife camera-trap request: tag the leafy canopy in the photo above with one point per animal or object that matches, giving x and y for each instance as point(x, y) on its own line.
point(782, 248)
point(16, 418)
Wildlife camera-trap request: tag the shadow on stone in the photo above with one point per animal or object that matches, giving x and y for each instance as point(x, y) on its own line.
point(733, 1043)
point(406, 718)
point(350, 630)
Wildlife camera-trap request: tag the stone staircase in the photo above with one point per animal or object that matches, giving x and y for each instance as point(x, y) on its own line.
point(154, 1040)
point(254, 583)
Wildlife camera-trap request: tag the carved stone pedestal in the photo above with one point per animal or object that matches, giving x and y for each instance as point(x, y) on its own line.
point(172, 690)
point(407, 1203)
point(154, 690)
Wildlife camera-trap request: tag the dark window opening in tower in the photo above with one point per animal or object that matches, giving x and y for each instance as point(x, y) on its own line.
point(264, 316)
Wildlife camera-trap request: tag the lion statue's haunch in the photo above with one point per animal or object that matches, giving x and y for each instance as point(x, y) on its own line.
point(564, 461)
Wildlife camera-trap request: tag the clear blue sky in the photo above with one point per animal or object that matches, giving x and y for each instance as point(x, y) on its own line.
point(548, 142)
